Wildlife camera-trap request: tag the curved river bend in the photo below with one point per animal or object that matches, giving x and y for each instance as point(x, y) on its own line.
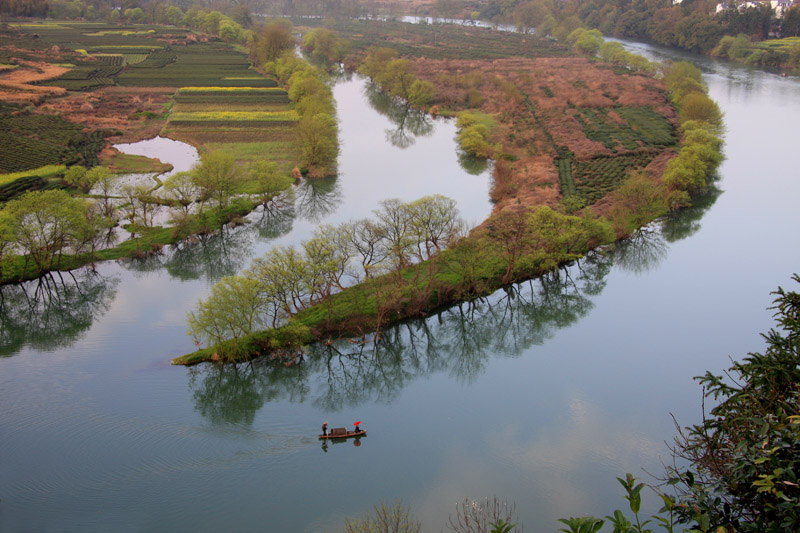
point(541, 394)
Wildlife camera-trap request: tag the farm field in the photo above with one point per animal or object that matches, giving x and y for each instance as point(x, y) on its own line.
point(94, 83)
point(565, 125)
point(234, 120)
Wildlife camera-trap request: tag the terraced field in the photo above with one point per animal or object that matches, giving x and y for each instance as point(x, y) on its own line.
point(119, 79)
point(248, 122)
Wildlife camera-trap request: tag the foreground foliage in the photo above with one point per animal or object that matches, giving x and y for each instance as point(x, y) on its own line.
point(743, 460)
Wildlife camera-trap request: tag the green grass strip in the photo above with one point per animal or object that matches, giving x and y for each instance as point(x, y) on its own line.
point(46, 171)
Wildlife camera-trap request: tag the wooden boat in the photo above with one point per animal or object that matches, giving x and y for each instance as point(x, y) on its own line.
point(342, 433)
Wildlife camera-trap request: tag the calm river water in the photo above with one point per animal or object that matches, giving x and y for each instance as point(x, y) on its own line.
point(540, 395)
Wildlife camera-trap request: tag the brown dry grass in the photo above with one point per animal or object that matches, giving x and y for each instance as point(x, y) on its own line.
point(113, 108)
point(533, 102)
point(16, 85)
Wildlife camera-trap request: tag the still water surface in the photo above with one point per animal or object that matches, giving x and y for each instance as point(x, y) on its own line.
point(541, 394)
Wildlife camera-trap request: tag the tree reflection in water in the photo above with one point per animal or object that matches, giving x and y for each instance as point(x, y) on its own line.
point(276, 218)
point(409, 122)
point(649, 246)
point(686, 222)
point(642, 251)
point(459, 340)
point(317, 198)
point(471, 164)
point(233, 394)
point(213, 256)
point(53, 311)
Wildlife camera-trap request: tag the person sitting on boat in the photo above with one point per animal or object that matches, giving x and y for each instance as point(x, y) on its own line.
point(358, 429)
point(325, 429)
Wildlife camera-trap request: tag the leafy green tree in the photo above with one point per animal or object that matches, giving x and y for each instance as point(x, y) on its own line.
point(395, 220)
point(508, 232)
point(309, 93)
point(324, 43)
point(234, 308)
point(274, 39)
point(318, 139)
point(397, 78)
point(421, 93)
point(74, 176)
point(327, 255)
point(269, 182)
point(685, 172)
point(435, 222)
point(744, 459)
point(216, 177)
point(6, 238)
point(587, 42)
point(89, 236)
point(283, 274)
point(698, 106)
point(230, 31)
point(95, 175)
point(529, 15)
point(473, 140)
point(44, 224)
point(134, 15)
point(790, 26)
point(181, 190)
point(365, 238)
point(104, 185)
point(173, 15)
point(463, 261)
point(376, 61)
point(80, 178)
point(639, 200)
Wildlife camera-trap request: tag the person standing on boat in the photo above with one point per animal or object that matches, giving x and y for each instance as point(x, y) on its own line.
point(324, 429)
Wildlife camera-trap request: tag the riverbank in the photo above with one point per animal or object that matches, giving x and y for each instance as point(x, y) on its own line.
point(533, 230)
point(194, 89)
point(577, 371)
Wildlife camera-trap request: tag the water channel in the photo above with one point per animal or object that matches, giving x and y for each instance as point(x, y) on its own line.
point(540, 395)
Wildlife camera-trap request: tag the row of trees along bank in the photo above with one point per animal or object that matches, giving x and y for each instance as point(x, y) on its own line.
point(412, 258)
point(512, 245)
point(691, 25)
point(41, 231)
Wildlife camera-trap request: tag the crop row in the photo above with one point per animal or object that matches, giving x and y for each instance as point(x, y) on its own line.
point(85, 76)
point(596, 177)
point(653, 128)
point(48, 128)
point(9, 191)
point(564, 166)
point(643, 126)
point(133, 59)
point(18, 153)
point(265, 116)
point(110, 59)
point(229, 125)
point(234, 100)
point(184, 78)
point(157, 59)
point(237, 90)
point(45, 172)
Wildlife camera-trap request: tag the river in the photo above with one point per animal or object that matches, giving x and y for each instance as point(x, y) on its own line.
point(540, 395)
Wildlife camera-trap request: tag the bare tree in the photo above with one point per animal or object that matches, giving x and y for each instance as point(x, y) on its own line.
point(482, 516)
